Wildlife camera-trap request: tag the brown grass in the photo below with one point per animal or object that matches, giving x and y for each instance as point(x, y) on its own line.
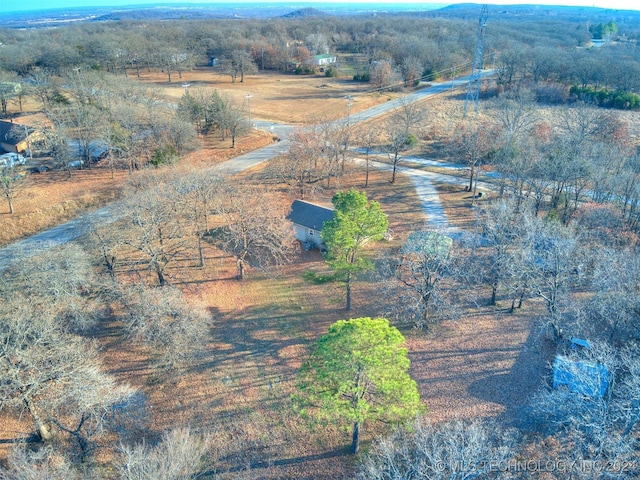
point(483, 365)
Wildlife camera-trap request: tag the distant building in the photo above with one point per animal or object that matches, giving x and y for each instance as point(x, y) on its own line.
point(308, 219)
point(324, 59)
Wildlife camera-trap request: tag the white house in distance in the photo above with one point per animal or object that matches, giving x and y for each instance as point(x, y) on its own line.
point(307, 219)
point(324, 59)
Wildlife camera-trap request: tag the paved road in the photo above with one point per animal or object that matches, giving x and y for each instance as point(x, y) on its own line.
point(75, 228)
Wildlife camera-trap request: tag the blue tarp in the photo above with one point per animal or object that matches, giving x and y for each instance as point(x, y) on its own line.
point(580, 376)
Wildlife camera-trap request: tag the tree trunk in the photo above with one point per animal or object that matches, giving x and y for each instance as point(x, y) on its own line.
point(355, 439)
point(472, 172)
point(43, 430)
point(11, 211)
point(200, 253)
point(366, 178)
point(348, 284)
point(161, 280)
point(240, 269)
point(395, 166)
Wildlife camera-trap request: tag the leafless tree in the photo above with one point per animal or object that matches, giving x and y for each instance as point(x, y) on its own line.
point(453, 450)
point(59, 280)
point(239, 63)
point(555, 265)
point(12, 180)
point(300, 165)
point(252, 228)
point(611, 314)
point(162, 319)
point(156, 229)
point(504, 224)
point(471, 142)
point(25, 462)
point(181, 455)
point(368, 139)
point(399, 130)
point(44, 86)
point(382, 75)
point(53, 375)
point(415, 279)
point(199, 190)
point(233, 120)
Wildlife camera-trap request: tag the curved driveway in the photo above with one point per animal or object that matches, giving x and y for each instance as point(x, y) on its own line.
point(422, 180)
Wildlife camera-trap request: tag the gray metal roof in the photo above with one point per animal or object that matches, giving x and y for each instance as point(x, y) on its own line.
point(11, 133)
point(309, 215)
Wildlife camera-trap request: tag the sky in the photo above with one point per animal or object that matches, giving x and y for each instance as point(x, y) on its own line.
point(12, 5)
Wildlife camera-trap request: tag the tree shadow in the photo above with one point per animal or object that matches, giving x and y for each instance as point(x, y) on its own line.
point(513, 388)
point(283, 462)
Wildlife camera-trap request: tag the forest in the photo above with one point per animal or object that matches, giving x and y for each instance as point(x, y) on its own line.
point(473, 309)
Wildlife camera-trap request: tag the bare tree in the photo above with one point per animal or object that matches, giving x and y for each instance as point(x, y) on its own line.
point(162, 319)
point(180, 455)
point(156, 229)
point(61, 281)
point(504, 224)
point(300, 166)
point(54, 376)
point(471, 142)
point(12, 180)
point(252, 228)
point(611, 314)
point(27, 463)
point(382, 75)
point(399, 132)
point(414, 280)
point(453, 450)
point(369, 138)
point(199, 191)
point(239, 63)
point(555, 265)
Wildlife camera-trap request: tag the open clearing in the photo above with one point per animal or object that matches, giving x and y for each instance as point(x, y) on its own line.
point(485, 364)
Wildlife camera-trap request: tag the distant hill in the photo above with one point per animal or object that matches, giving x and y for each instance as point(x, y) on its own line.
point(305, 12)
point(513, 12)
point(167, 11)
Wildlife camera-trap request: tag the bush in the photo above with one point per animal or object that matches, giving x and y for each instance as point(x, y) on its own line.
point(304, 70)
point(331, 72)
point(605, 98)
point(164, 155)
point(361, 77)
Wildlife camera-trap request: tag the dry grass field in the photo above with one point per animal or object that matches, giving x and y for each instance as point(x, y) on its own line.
point(485, 364)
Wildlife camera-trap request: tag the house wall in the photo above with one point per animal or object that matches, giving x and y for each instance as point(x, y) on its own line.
point(305, 234)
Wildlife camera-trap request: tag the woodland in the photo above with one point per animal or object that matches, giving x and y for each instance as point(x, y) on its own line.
point(191, 335)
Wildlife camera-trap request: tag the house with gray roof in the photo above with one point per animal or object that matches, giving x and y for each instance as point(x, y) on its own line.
point(308, 219)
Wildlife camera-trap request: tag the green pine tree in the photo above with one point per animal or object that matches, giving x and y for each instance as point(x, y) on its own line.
point(356, 221)
point(358, 372)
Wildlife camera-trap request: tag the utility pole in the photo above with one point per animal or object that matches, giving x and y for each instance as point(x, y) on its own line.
point(473, 94)
point(248, 97)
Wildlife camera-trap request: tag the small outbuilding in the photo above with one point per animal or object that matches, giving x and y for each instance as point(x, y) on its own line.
point(580, 376)
point(308, 219)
